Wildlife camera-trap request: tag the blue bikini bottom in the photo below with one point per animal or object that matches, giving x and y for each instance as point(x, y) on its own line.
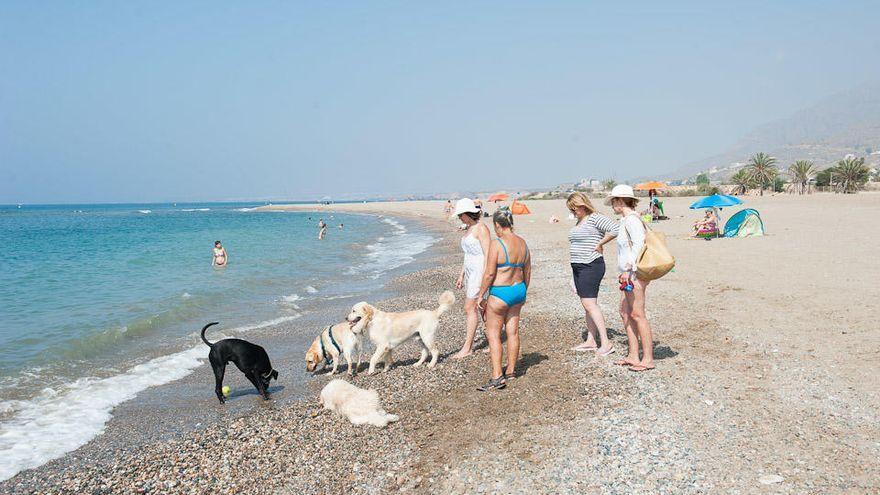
point(511, 295)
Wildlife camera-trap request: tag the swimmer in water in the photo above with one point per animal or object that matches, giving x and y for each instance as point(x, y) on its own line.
point(322, 229)
point(220, 256)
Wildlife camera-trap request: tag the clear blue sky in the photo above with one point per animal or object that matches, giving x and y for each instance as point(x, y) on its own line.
point(171, 101)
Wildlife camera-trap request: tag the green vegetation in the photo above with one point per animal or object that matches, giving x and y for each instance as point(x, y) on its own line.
point(762, 170)
point(850, 175)
point(742, 180)
point(608, 184)
point(801, 172)
point(702, 179)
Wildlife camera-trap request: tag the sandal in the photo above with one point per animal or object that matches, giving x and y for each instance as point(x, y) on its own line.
point(509, 376)
point(638, 368)
point(493, 384)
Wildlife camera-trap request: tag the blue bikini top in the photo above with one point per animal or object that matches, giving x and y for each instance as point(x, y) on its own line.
point(507, 257)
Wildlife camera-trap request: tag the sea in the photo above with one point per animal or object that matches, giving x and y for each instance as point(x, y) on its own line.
point(99, 303)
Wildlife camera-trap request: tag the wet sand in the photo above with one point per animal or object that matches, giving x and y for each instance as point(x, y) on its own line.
point(764, 368)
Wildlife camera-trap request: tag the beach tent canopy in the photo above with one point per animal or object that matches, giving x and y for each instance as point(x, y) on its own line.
point(518, 208)
point(744, 223)
point(499, 196)
point(647, 186)
point(716, 201)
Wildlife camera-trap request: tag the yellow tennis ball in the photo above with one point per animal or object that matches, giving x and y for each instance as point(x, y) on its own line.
point(226, 390)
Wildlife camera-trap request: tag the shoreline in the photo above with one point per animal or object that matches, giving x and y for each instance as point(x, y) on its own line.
point(161, 412)
point(741, 391)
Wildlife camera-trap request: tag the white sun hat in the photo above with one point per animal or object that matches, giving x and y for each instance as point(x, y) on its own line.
point(620, 191)
point(465, 205)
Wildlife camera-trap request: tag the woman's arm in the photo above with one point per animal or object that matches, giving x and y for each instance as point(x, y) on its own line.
point(527, 268)
point(490, 271)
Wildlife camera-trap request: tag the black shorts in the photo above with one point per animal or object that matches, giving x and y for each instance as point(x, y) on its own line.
point(588, 276)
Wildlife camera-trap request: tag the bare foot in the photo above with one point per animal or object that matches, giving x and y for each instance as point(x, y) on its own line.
point(605, 351)
point(462, 354)
point(642, 367)
point(627, 361)
point(486, 350)
point(586, 346)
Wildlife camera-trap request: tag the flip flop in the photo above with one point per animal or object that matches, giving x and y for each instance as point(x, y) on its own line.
point(605, 353)
point(578, 348)
point(639, 368)
point(623, 362)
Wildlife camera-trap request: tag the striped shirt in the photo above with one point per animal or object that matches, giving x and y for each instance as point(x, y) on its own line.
point(585, 236)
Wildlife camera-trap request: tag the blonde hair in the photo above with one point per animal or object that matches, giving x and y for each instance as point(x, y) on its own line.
point(577, 199)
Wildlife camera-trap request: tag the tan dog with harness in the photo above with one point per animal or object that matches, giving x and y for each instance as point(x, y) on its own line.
point(335, 341)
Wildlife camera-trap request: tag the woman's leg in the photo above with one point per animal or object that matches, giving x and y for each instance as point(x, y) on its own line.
point(632, 340)
point(592, 331)
point(640, 322)
point(470, 311)
point(511, 327)
point(495, 315)
point(597, 319)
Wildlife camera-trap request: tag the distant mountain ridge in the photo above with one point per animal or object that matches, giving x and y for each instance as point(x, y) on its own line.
point(844, 123)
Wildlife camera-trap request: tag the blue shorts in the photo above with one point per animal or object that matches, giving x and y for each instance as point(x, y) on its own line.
point(511, 295)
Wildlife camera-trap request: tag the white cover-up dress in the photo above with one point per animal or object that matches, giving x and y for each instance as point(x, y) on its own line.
point(474, 263)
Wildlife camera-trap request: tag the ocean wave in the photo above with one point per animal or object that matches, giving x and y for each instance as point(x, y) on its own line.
point(61, 420)
point(195, 209)
point(392, 251)
point(145, 211)
point(244, 209)
point(310, 289)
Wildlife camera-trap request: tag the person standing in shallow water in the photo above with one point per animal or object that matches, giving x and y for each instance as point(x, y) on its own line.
point(506, 281)
point(322, 229)
point(474, 243)
point(587, 238)
point(630, 240)
point(220, 256)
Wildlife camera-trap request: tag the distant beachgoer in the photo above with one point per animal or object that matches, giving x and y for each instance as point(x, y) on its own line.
point(506, 281)
point(448, 208)
point(322, 229)
point(587, 238)
point(709, 223)
point(554, 219)
point(630, 240)
point(220, 256)
point(341, 226)
point(474, 243)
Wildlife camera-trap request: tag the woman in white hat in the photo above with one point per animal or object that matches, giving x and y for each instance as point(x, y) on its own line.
point(475, 244)
point(630, 240)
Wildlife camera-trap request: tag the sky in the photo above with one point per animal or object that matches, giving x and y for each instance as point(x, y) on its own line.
point(197, 101)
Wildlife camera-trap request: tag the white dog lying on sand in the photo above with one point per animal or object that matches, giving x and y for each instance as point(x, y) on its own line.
point(358, 405)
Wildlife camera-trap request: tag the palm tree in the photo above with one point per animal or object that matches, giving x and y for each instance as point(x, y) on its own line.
point(608, 184)
point(801, 172)
point(851, 174)
point(742, 180)
point(762, 170)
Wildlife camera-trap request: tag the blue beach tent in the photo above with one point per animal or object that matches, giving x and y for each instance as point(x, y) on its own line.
point(744, 223)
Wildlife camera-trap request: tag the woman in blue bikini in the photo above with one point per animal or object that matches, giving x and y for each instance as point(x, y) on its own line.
point(505, 280)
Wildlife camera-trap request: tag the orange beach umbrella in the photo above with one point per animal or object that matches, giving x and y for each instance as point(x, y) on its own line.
point(647, 186)
point(499, 196)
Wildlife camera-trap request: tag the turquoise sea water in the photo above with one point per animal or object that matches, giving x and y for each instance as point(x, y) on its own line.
point(101, 298)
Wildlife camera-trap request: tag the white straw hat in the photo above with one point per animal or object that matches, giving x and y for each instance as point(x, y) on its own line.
point(465, 205)
point(620, 191)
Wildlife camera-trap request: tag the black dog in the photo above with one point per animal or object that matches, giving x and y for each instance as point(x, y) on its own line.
point(251, 359)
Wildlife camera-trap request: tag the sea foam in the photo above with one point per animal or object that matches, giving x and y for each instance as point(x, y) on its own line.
point(59, 421)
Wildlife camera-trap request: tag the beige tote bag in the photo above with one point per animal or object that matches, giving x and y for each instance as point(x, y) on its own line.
point(655, 260)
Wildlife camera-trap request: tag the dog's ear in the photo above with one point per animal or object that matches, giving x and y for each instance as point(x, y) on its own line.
point(368, 312)
point(274, 374)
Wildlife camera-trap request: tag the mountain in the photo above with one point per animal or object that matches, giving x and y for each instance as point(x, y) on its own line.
point(844, 123)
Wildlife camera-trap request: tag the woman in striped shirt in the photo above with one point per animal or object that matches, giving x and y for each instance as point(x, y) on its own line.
point(592, 231)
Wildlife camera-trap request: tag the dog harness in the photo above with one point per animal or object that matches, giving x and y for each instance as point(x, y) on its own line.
point(328, 359)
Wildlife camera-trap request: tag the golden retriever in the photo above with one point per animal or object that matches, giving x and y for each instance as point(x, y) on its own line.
point(358, 405)
point(389, 330)
point(333, 341)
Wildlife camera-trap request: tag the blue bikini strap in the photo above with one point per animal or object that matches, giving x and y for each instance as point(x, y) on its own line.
point(506, 256)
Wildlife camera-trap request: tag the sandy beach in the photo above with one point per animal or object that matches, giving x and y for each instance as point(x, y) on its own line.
point(765, 367)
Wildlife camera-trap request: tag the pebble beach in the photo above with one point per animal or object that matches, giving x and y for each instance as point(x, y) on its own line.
point(765, 383)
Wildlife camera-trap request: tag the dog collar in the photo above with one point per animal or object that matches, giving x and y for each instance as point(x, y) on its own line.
point(327, 359)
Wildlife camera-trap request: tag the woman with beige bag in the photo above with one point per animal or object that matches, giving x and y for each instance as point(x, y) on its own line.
point(630, 243)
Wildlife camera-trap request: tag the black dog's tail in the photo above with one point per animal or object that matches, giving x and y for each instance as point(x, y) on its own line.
point(203, 333)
